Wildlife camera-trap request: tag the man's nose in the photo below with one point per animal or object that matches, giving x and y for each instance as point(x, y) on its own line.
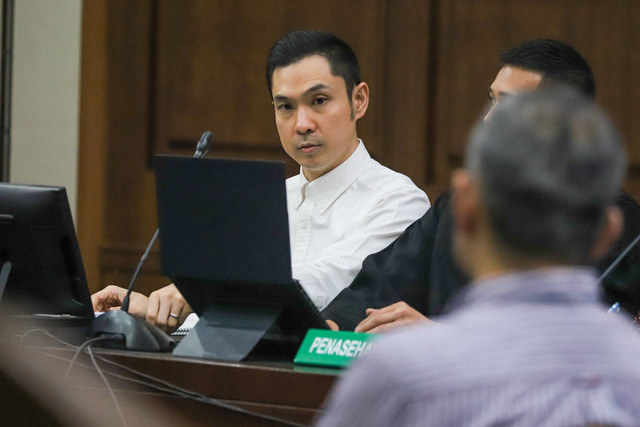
point(304, 121)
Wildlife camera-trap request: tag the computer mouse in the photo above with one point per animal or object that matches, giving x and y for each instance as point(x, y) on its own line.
point(138, 335)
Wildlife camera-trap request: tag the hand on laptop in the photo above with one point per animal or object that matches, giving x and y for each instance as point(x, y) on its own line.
point(110, 298)
point(390, 317)
point(167, 308)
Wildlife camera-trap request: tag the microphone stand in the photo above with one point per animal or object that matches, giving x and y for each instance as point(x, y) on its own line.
point(119, 328)
point(201, 149)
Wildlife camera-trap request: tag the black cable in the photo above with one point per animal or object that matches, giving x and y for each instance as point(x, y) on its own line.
point(86, 344)
point(190, 394)
point(113, 395)
point(28, 332)
point(165, 386)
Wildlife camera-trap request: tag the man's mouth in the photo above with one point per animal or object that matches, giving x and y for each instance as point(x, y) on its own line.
point(308, 148)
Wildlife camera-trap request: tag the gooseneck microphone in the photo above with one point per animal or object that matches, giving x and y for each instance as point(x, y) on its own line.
point(616, 306)
point(203, 144)
point(615, 262)
point(201, 149)
point(122, 329)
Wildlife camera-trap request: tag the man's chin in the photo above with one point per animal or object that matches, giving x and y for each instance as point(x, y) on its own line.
point(313, 171)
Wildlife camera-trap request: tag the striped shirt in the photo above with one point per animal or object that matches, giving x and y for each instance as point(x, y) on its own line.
point(524, 349)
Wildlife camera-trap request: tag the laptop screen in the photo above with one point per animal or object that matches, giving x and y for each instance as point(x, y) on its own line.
point(224, 241)
point(223, 220)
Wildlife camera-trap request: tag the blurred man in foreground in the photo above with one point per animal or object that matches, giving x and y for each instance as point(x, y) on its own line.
point(528, 342)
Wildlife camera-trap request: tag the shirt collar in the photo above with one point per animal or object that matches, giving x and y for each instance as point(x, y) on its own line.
point(557, 285)
point(323, 191)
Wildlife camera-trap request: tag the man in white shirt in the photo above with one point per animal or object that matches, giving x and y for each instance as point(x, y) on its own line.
point(344, 205)
point(341, 217)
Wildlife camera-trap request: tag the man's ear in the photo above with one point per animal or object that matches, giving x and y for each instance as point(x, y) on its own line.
point(360, 100)
point(465, 202)
point(609, 233)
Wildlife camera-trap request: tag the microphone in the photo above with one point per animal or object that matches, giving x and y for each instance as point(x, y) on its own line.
point(138, 334)
point(201, 149)
point(203, 144)
point(616, 306)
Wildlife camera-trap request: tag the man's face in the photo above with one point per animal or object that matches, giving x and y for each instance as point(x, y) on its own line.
point(471, 229)
point(511, 80)
point(316, 123)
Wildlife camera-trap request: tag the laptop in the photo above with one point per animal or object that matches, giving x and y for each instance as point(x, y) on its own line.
point(224, 241)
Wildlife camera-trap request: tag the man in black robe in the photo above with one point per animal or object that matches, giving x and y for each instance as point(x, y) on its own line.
point(416, 276)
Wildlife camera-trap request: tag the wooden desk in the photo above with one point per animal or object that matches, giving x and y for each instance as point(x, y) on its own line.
point(276, 389)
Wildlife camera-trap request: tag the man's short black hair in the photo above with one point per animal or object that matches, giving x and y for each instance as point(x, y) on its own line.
point(548, 163)
point(556, 61)
point(298, 45)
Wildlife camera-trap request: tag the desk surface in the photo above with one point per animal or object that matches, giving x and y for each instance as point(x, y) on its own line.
point(276, 389)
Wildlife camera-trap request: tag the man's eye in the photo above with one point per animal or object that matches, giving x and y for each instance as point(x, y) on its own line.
point(284, 107)
point(320, 101)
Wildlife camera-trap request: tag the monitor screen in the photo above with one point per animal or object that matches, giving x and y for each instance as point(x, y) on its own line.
point(38, 239)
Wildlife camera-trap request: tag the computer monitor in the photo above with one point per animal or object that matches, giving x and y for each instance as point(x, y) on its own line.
point(40, 253)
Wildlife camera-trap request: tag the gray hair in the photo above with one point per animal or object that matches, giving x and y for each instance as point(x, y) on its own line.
point(548, 163)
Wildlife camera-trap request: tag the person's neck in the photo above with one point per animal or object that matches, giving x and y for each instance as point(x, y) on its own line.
point(494, 260)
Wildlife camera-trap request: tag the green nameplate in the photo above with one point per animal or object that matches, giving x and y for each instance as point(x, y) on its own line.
point(333, 348)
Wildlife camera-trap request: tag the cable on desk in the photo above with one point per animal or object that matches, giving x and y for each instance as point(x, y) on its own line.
point(86, 345)
point(188, 394)
point(113, 395)
point(164, 387)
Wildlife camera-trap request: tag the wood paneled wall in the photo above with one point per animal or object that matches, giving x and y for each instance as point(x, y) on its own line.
point(156, 74)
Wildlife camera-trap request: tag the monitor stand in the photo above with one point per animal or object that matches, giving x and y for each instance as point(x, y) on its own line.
point(227, 332)
point(4, 274)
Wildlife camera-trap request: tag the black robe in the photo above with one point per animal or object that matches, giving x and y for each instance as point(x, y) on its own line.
point(419, 269)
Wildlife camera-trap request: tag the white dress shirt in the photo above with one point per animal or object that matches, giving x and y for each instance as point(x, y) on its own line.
point(336, 220)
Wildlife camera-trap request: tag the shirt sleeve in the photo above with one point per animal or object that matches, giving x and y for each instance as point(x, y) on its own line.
point(326, 276)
